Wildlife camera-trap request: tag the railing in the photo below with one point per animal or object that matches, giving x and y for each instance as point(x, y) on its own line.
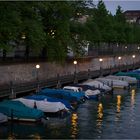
point(14, 90)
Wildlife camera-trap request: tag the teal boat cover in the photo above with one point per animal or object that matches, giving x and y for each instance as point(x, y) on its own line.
point(16, 109)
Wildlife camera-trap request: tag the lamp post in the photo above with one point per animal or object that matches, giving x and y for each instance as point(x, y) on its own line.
point(133, 57)
point(37, 77)
point(100, 60)
point(119, 58)
point(75, 71)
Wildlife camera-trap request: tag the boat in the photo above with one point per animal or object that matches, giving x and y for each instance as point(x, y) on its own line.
point(43, 104)
point(90, 94)
point(15, 110)
point(113, 83)
point(130, 80)
point(71, 96)
point(131, 74)
point(97, 84)
point(49, 99)
point(3, 118)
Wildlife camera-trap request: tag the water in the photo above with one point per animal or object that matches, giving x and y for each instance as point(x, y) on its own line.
point(113, 117)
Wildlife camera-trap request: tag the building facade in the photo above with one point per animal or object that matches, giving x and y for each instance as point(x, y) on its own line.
point(132, 16)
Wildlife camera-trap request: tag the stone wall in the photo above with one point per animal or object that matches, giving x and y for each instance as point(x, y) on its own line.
point(22, 73)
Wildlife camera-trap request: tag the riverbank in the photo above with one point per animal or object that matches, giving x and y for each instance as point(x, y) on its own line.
point(23, 77)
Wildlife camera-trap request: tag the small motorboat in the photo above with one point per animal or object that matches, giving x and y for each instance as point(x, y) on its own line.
point(15, 110)
point(113, 83)
point(3, 118)
point(97, 84)
point(49, 99)
point(131, 74)
point(130, 80)
point(90, 94)
point(68, 95)
point(43, 104)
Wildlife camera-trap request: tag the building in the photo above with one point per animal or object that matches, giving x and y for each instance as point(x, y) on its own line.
point(132, 16)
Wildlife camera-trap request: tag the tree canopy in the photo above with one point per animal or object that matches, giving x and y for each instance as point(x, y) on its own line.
point(55, 26)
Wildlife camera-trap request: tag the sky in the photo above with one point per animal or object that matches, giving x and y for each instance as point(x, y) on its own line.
point(112, 5)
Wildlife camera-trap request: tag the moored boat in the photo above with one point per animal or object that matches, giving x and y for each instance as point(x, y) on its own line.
point(131, 74)
point(49, 99)
point(70, 96)
point(90, 94)
point(130, 80)
point(113, 83)
point(43, 105)
point(97, 84)
point(15, 110)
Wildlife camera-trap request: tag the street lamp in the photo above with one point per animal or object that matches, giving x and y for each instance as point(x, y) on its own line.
point(37, 77)
point(75, 63)
point(75, 78)
point(119, 58)
point(23, 36)
point(100, 60)
point(133, 57)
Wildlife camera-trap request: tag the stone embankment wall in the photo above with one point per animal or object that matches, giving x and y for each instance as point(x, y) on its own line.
point(22, 73)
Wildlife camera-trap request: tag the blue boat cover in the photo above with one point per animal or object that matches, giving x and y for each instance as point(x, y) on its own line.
point(63, 94)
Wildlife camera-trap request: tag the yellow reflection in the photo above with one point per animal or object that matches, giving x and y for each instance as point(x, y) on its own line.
point(133, 93)
point(100, 111)
point(99, 118)
point(118, 103)
point(74, 119)
point(37, 136)
point(11, 136)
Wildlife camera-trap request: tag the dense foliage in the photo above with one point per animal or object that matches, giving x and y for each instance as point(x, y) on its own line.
point(50, 28)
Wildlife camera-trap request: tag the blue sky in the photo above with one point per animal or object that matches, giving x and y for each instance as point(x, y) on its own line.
point(111, 5)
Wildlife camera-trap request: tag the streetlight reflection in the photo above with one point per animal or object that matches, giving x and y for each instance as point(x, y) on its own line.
point(118, 103)
point(118, 108)
point(74, 123)
point(133, 93)
point(99, 118)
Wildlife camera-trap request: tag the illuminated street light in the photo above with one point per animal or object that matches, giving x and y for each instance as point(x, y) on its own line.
point(37, 77)
point(119, 58)
point(75, 76)
point(100, 60)
point(23, 36)
point(133, 56)
point(37, 66)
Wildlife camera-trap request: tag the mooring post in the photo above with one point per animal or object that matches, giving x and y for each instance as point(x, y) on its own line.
point(89, 75)
point(58, 86)
point(12, 95)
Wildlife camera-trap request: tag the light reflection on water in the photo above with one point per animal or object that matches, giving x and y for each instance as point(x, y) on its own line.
point(74, 123)
point(112, 117)
point(99, 119)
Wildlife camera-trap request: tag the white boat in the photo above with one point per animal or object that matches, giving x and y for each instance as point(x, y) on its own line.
point(130, 80)
point(3, 118)
point(113, 83)
point(88, 93)
point(97, 84)
point(43, 105)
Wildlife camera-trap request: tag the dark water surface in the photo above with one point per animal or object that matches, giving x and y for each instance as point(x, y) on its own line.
point(113, 117)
